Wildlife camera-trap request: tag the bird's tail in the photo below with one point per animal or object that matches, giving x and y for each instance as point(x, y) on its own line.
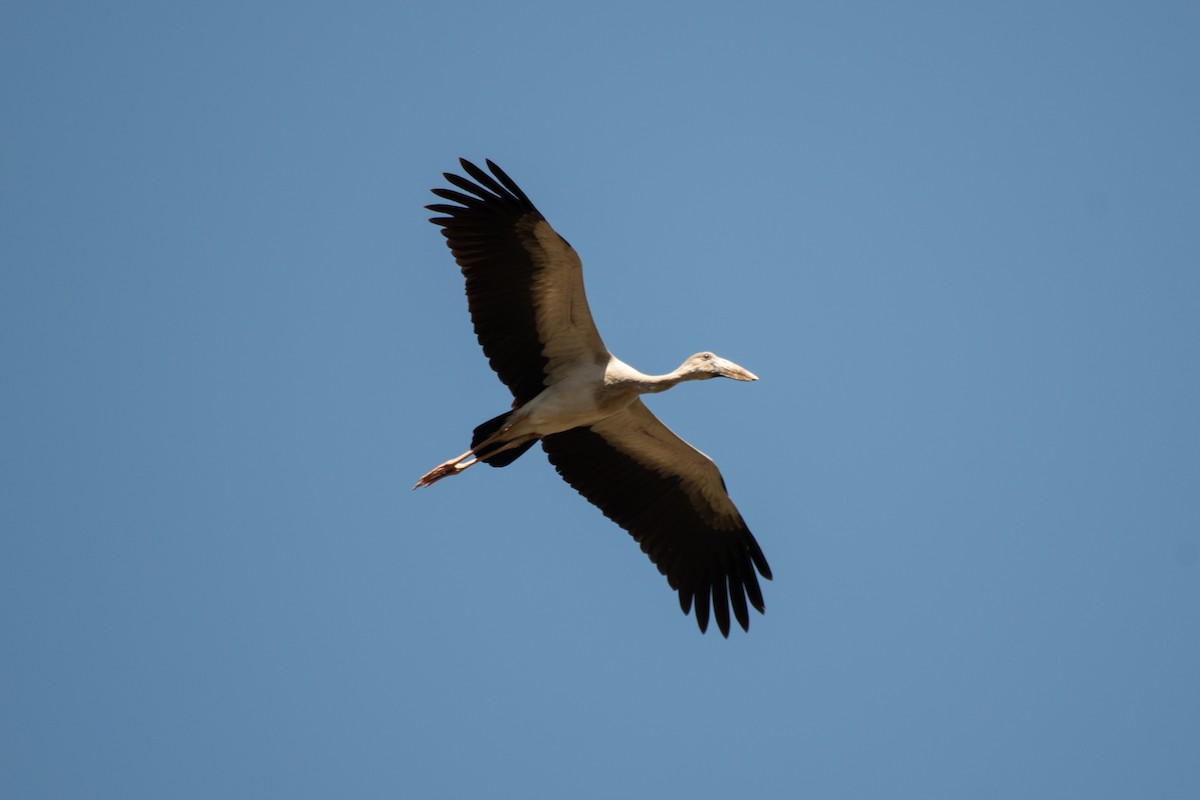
point(489, 428)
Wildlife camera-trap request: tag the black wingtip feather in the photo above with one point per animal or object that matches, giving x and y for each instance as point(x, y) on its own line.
point(760, 561)
point(467, 200)
point(737, 598)
point(720, 604)
point(701, 606)
point(484, 179)
point(479, 191)
point(508, 182)
point(754, 591)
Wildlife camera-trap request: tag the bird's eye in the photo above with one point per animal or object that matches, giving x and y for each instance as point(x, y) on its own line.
point(707, 356)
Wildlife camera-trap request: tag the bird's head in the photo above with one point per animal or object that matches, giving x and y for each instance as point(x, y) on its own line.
point(710, 365)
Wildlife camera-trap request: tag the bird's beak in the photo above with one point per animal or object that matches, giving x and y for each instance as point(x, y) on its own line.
point(728, 369)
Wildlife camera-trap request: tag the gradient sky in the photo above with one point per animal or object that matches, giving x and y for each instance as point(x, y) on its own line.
point(959, 245)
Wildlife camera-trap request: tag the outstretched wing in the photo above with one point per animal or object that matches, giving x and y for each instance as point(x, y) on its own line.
point(524, 282)
point(672, 500)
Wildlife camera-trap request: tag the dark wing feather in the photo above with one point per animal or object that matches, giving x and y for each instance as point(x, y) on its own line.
point(524, 282)
point(672, 500)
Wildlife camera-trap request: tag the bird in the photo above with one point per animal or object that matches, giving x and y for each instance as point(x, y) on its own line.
point(525, 293)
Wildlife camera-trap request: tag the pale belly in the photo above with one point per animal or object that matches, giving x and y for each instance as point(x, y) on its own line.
point(565, 406)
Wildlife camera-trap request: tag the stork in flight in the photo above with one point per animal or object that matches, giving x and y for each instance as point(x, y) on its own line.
point(525, 293)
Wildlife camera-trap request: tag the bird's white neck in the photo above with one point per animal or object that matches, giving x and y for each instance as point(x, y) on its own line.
point(622, 374)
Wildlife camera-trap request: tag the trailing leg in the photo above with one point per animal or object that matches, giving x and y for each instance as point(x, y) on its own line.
point(488, 450)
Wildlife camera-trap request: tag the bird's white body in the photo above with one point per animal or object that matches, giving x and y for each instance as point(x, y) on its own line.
point(591, 393)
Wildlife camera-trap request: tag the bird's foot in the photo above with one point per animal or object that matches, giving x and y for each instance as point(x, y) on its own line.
point(436, 474)
point(443, 471)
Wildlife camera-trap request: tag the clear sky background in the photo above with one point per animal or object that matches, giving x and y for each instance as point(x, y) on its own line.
point(959, 244)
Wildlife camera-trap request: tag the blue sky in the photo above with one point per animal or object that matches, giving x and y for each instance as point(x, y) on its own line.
point(959, 245)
